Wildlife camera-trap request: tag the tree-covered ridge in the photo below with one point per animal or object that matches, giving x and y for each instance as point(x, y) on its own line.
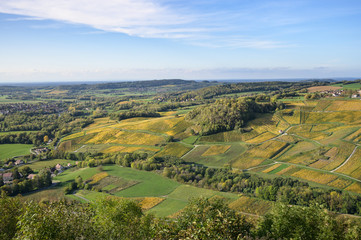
point(203, 218)
point(228, 114)
point(277, 87)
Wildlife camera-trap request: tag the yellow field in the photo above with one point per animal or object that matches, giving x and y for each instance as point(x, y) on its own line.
point(268, 123)
point(313, 135)
point(273, 167)
point(300, 128)
point(99, 176)
point(338, 155)
point(348, 105)
point(158, 125)
point(128, 149)
point(256, 155)
point(216, 149)
point(251, 205)
point(337, 133)
point(314, 176)
point(300, 147)
point(174, 149)
point(267, 149)
point(350, 117)
point(231, 136)
point(261, 138)
point(340, 183)
point(355, 137)
point(353, 166)
point(303, 159)
point(56, 92)
point(323, 127)
point(98, 122)
point(125, 137)
point(287, 171)
point(322, 89)
point(72, 136)
point(287, 138)
point(322, 105)
point(355, 187)
point(320, 164)
point(150, 202)
point(291, 116)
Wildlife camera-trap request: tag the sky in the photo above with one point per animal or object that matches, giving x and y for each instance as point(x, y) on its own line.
point(108, 40)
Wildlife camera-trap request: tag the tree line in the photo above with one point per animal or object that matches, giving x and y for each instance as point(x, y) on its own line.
point(202, 218)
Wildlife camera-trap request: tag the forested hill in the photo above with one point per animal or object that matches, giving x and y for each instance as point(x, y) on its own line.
point(179, 83)
point(228, 114)
point(217, 90)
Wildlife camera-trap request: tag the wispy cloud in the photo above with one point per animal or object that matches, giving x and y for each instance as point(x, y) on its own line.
point(199, 22)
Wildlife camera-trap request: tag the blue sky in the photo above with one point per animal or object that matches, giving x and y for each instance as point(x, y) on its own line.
point(67, 40)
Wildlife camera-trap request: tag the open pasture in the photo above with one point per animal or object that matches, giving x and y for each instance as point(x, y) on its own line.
point(150, 184)
point(178, 199)
point(353, 86)
point(14, 150)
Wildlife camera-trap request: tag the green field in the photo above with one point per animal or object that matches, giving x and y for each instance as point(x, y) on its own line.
point(150, 184)
point(353, 86)
point(13, 150)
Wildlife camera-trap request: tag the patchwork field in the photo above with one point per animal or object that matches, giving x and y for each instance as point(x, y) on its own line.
point(13, 150)
point(319, 134)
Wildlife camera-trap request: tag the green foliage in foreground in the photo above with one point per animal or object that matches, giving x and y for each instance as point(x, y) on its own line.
point(203, 218)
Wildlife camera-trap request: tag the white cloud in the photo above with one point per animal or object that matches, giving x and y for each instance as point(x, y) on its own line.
point(134, 17)
point(141, 18)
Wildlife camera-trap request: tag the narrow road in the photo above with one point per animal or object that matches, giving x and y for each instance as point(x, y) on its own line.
point(81, 197)
point(79, 148)
point(353, 152)
point(195, 146)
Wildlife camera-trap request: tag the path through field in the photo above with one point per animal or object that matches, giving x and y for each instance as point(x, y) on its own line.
point(353, 152)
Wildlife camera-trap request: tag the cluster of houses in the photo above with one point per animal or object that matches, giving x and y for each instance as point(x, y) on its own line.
point(25, 107)
point(8, 177)
point(39, 151)
point(337, 93)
